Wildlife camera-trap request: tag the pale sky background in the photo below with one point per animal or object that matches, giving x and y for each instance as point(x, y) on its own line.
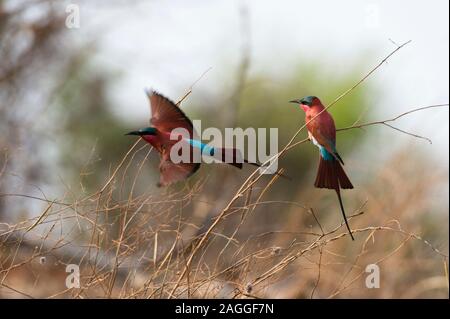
point(168, 44)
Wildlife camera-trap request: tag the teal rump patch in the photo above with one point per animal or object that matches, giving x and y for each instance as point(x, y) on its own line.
point(325, 154)
point(202, 146)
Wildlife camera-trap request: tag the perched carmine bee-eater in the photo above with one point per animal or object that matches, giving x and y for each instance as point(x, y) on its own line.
point(167, 116)
point(322, 132)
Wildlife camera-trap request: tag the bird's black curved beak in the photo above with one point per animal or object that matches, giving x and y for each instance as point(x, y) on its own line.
point(134, 133)
point(295, 101)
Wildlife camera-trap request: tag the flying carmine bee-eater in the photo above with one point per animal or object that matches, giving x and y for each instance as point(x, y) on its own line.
point(322, 132)
point(167, 116)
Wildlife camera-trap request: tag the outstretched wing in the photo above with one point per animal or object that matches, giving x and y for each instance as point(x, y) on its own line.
point(172, 173)
point(166, 115)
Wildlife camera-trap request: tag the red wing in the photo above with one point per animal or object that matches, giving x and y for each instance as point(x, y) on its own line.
point(322, 140)
point(166, 116)
point(324, 131)
point(328, 129)
point(171, 172)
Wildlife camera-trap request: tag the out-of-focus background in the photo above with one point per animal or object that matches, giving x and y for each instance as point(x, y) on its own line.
point(74, 194)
